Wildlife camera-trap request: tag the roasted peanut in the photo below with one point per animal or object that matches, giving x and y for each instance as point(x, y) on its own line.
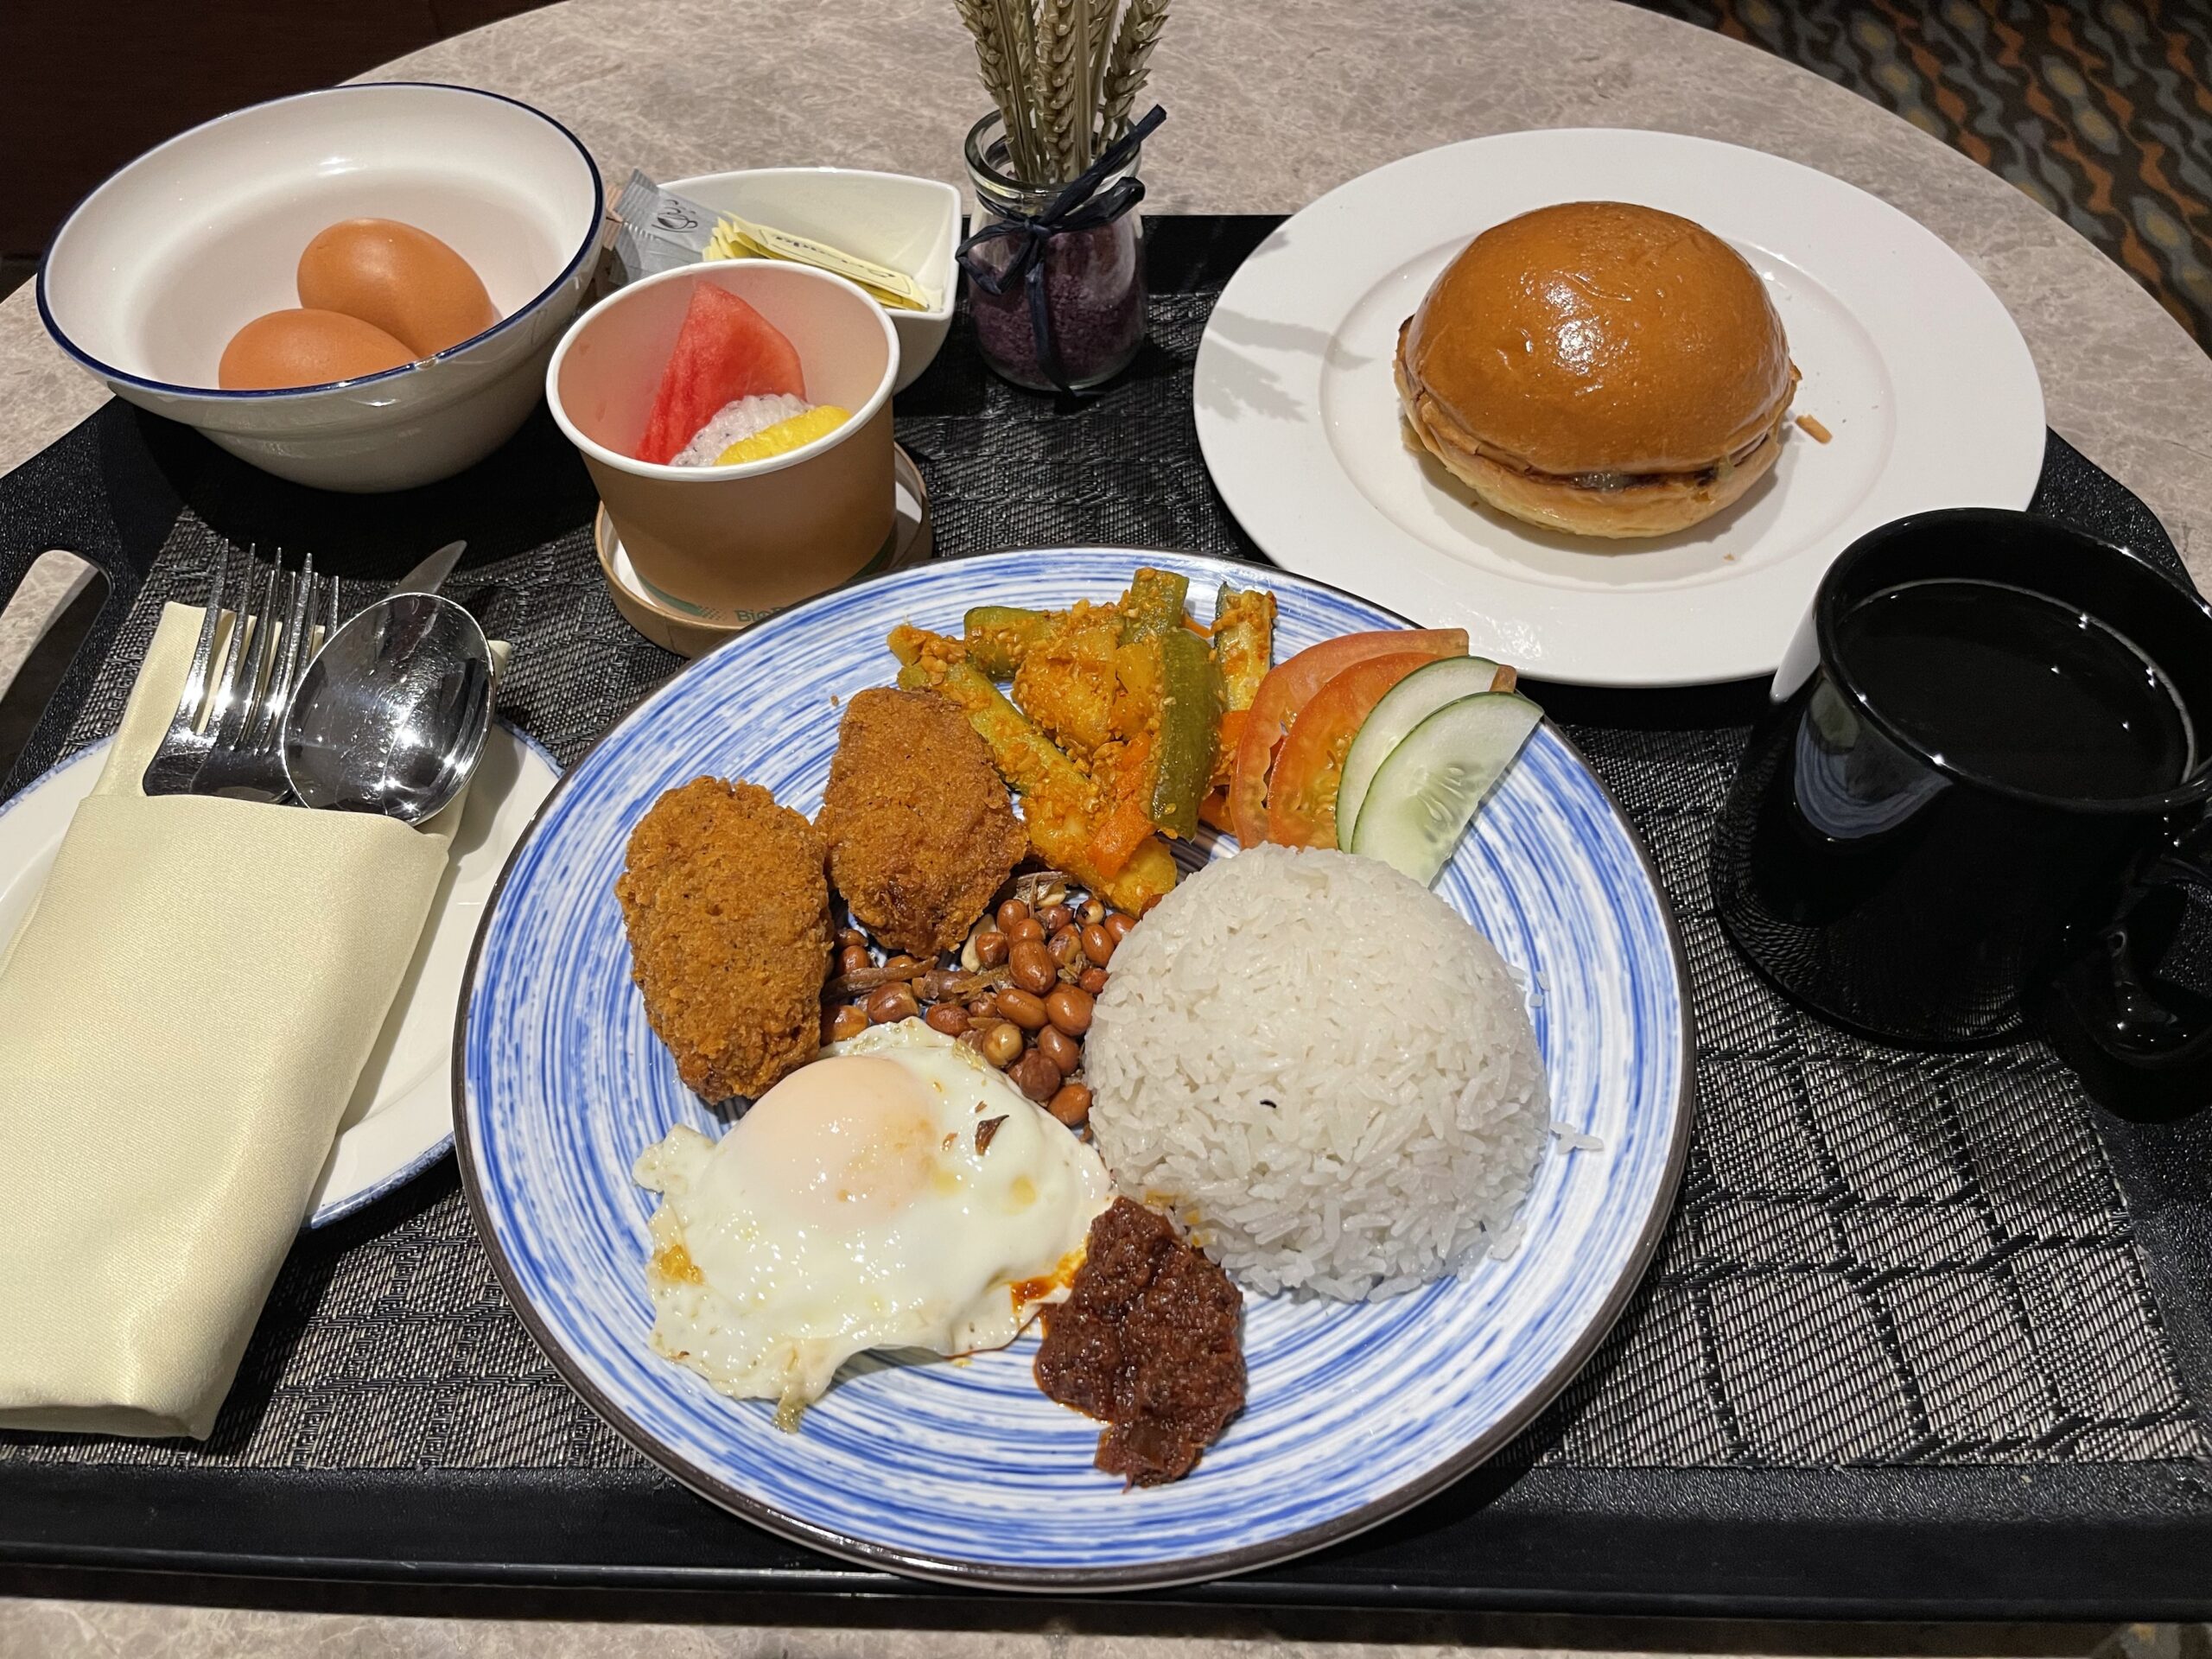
point(1025, 1008)
point(1032, 967)
point(891, 1003)
point(1070, 1103)
point(1068, 1009)
point(1002, 1045)
point(1060, 1049)
point(1035, 1076)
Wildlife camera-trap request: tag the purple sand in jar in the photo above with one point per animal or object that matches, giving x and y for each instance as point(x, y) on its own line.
point(1092, 274)
point(1095, 294)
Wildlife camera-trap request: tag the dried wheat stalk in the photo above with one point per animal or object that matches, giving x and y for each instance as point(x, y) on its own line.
point(1126, 69)
point(1018, 21)
point(1064, 73)
point(994, 59)
point(1063, 53)
point(1102, 44)
point(1024, 13)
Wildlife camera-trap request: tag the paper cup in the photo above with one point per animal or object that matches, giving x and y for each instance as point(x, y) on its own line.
point(692, 631)
point(763, 533)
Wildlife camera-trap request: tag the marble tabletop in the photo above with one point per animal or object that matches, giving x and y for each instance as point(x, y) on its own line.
point(1274, 102)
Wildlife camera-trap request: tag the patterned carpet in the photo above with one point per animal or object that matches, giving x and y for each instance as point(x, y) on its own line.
point(2101, 111)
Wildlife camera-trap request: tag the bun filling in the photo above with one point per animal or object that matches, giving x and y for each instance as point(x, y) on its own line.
point(1610, 506)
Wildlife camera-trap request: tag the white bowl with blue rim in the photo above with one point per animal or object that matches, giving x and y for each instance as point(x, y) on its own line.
point(150, 278)
point(966, 1473)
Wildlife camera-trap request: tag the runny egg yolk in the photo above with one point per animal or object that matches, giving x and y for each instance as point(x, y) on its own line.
point(903, 1196)
point(852, 1141)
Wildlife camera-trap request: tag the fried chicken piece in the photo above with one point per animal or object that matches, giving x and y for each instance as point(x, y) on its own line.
point(728, 916)
point(920, 829)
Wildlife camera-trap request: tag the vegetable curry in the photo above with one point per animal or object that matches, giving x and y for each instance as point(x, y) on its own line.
point(1120, 723)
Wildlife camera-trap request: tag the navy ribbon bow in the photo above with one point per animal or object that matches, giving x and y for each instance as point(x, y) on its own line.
point(1082, 205)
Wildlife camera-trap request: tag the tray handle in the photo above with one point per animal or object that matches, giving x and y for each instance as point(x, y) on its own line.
point(99, 492)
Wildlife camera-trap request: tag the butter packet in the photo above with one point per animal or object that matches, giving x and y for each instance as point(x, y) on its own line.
point(741, 238)
point(658, 230)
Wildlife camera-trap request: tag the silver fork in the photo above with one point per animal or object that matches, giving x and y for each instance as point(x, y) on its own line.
point(259, 677)
point(176, 761)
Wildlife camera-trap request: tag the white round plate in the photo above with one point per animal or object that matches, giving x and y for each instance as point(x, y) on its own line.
point(966, 1473)
point(400, 1119)
point(1909, 360)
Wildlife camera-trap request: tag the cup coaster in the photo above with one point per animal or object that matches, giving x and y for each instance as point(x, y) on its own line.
point(690, 629)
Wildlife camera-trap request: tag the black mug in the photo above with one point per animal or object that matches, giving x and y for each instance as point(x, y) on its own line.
point(1977, 799)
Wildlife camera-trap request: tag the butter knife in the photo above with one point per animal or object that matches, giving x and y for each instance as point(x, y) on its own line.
point(426, 577)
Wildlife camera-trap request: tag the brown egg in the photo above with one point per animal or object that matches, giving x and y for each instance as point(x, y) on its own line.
point(405, 281)
point(306, 348)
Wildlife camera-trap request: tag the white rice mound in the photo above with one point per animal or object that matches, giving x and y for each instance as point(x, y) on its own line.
point(741, 417)
point(1326, 1070)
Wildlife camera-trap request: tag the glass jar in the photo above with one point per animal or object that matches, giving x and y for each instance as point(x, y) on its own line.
point(1094, 277)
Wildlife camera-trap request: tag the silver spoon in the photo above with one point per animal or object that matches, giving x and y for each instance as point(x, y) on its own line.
point(392, 715)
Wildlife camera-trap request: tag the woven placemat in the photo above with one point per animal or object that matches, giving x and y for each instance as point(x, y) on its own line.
point(1878, 1258)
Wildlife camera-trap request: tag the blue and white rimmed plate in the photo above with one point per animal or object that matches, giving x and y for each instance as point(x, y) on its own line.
point(400, 1119)
point(965, 1472)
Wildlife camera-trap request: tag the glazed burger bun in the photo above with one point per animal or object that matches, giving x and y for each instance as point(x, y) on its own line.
point(1600, 368)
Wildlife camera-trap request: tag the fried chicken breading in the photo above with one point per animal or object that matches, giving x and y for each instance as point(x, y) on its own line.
point(921, 831)
point(729, 915)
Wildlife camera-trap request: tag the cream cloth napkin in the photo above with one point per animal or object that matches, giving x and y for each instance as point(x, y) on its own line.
point(182, 1019)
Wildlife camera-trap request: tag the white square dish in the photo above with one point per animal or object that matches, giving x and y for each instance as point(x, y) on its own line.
point(910, 223)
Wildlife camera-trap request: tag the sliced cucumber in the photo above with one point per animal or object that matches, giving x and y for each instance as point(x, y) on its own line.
point(1424, 795)
point(1404, 706)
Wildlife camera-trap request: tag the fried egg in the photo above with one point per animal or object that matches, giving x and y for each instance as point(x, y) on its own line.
point(898, 1192)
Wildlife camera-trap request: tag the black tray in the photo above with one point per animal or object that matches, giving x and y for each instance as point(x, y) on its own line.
point(1665, 1480)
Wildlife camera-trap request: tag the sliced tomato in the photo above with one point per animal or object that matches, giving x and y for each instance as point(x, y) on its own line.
point(1286, 689)
point(1302, 790)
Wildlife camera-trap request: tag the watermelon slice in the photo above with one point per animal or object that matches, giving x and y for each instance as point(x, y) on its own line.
point(726, 350)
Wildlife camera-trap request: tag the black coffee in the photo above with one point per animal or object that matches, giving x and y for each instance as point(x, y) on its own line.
point(2017, 688)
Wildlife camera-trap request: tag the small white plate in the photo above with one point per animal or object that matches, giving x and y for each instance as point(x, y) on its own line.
point(400, 1119)
point(1908, 358)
